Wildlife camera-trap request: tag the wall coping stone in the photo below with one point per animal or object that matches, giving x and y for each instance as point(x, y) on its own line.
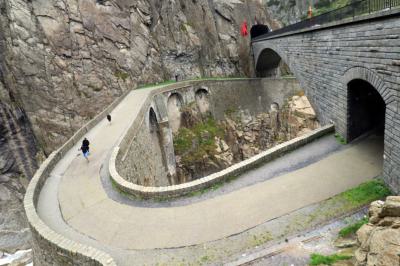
point(182, 189)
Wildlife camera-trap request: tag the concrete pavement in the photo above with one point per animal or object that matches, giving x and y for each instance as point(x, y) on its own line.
point(87, 209)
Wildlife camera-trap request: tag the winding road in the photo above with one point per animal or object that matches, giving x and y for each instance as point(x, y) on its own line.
point(76, 202)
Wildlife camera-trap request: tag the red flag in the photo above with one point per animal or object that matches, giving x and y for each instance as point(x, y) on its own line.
point(243, 31)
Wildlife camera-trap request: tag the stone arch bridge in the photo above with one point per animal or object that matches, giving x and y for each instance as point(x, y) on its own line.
point(333, 60)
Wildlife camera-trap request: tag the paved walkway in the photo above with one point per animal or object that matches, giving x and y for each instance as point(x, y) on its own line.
point(88, 211)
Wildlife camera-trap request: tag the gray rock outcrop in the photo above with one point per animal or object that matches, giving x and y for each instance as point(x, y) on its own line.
point(240, 137)
point(379, 240)
point(65, 60)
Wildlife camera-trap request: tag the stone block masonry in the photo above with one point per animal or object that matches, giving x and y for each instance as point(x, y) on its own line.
point(148, 160)
point(325, 59)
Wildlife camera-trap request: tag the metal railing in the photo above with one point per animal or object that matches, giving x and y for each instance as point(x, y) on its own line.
point(352, 10)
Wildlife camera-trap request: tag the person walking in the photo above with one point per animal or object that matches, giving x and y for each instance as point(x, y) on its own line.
point(109, 118)
point(85, 148)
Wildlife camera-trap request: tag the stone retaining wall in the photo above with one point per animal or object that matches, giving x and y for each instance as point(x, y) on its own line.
point(325, 59)
point(208, 181)
point(138, 161)
point(49, 247)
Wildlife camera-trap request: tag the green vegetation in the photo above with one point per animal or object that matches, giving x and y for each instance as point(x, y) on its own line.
point(260, 239)
point(340, 139)
point(352, 228)
point(324, 6)
point(366, 192)
point(192, 144)
point(350, 200)
point(121, 75)
point(318, 259)
point(230, 111)
point(167, 82)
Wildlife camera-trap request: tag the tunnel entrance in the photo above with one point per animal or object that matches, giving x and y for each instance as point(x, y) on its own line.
point(270, 64)
point(366, 110)
point(258, 30)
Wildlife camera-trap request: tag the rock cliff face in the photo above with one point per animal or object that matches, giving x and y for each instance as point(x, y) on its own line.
point(290, 11)
point(67, 59)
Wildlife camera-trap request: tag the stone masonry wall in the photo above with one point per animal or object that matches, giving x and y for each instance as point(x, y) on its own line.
point(255, 96)
point(142, 162)
point(325, 60)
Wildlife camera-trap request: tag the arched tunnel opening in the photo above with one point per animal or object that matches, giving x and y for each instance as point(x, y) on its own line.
point(270, 64)
point(174, 105)
point(366, 110)
point(258, 30)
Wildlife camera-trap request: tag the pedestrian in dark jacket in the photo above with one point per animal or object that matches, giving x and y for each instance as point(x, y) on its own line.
point(109, 118)
point(85, 148)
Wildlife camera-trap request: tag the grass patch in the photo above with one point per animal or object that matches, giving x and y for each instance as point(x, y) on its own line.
point(352, 228)
point(325, 6)
point(366, 192)
point(167, 82)
point(192, 144)
point(318, 259)
point(121, 75)
point(350, 200)
point(339, 138)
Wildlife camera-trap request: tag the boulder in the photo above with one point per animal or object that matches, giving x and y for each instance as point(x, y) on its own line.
point(345, 242)
point(302, 107)
point(391, 207)
point(374, 211)
point(384, 247)
point(379, 241)
point(363, 235)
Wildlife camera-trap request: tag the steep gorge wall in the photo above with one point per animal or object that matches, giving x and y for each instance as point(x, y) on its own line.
point(17, 160)
point(66, 60)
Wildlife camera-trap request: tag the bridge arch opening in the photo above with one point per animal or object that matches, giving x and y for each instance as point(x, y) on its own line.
point(270, 64)
point(202, 100)
point(366, 110)
point(153, 123)
point(258, 30)
point(174, 105)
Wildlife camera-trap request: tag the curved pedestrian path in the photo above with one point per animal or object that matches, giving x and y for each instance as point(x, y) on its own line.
point(75, 202)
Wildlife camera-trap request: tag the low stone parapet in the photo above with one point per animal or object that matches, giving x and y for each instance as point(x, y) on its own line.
point(50, 247)
point(208, 181)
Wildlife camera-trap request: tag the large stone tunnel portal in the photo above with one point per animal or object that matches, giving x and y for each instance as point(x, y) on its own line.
point(366, 110)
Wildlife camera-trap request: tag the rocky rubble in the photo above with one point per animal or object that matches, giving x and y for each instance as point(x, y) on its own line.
point(379, 240)
point(244, 135)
